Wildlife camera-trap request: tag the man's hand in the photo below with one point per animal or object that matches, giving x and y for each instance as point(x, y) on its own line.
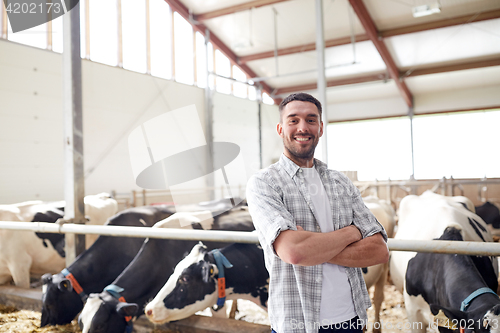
point(369, 251)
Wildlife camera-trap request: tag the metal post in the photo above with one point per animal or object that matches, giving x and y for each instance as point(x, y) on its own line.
point(410, 114)
point(87, 29)
point(276, 39)
point(259, 103)
point(148, 39)
point(209, 123)
point(74, 189)
point(120, 32)
point(172, 25)
point(49, 28)
point(320, 54)
point(412, 177)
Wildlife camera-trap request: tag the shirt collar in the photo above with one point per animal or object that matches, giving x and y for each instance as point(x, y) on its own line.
point(291, 168)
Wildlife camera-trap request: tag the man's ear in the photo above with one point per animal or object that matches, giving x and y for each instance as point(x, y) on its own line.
point(279, 129)
point(321, 129)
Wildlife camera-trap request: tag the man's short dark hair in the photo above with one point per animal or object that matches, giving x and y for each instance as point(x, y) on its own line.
point(303, 97)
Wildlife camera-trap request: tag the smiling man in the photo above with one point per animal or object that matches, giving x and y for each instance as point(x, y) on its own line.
point(315, 231)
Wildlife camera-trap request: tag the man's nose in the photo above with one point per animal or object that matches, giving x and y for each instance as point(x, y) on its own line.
point(302, 126)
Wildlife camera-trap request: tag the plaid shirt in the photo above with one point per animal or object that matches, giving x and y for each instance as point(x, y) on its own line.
point(278, 200)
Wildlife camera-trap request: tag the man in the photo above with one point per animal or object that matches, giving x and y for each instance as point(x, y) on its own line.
point(315, 231)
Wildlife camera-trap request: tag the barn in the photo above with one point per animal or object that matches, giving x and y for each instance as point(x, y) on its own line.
point(165, 109)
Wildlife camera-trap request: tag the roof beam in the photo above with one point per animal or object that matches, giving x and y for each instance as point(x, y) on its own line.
point(369, 26)
point(302, 48)
point(494, 14)
point(333, 83)
point(432, 69)
point(386, 33)
point(452, 68)
point(180, 8)
point(235, 9)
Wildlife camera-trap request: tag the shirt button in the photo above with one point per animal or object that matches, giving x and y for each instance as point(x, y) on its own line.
point(318, 280)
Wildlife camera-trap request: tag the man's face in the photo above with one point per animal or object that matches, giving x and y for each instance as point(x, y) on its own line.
point(300, 128)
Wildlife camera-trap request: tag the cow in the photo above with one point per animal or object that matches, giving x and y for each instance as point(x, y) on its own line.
point(64, 294)
point(27, 252)
point(194, 285)
point(429, 279)
point(490, 213)
point(431, 282)
point(98, 208)
point(188, 291)
point(112, 309)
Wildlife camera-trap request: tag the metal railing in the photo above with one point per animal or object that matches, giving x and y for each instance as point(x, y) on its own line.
point(435, 246)
point(444, 186)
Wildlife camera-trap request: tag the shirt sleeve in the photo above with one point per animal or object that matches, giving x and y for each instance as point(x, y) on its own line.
point(363, 218)
point(269, 214)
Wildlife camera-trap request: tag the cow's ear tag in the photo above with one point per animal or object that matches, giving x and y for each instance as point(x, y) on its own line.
point(442, 320)
point(65, 285)
point(211, 271)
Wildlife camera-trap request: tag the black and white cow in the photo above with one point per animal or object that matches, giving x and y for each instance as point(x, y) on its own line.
point(96, 267)
point(194, 284)
point(26, 252)
point(444, 281)
point(111, 310)
point(429, 281)
point(490, 213)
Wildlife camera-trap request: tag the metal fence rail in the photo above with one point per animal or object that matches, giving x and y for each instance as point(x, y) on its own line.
point(436, 246)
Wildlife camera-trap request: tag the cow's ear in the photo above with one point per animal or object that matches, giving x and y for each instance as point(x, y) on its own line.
point(126, 309)
point(46, 278)
point(65, 285)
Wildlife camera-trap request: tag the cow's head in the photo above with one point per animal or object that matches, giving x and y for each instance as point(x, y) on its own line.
point(60, 304)
point(479, 320)
point(103, 313)
point(191, 288)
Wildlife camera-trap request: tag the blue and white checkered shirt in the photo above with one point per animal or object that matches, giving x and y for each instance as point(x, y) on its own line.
point(278, 200)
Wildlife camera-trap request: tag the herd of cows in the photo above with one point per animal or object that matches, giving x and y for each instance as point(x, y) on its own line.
point(118, 279)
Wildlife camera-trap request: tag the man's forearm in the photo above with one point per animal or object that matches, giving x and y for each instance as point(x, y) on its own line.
point(366, 252)
point(307, 248)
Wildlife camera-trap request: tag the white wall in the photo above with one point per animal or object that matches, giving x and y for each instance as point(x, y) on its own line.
point(115, 101)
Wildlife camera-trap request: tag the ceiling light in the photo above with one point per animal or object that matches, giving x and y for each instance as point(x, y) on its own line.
point(425, 10)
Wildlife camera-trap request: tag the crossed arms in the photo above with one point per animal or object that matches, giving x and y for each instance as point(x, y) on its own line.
point(344, 247)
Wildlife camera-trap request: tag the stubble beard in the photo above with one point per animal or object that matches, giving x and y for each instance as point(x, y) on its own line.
point(302, 155)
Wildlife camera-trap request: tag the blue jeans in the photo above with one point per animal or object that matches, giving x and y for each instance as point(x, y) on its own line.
point(348, 326)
